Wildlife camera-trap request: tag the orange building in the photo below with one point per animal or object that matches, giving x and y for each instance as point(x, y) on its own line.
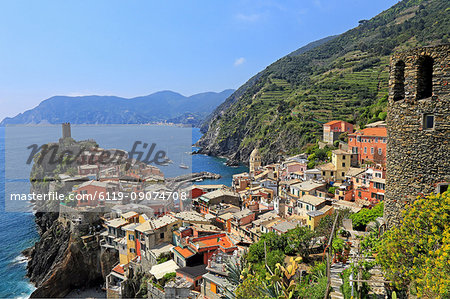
point(369, 145)
point(332, 130)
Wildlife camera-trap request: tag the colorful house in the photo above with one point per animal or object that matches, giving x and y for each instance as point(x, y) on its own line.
point(332, 130)
point(369, 145)
point(314, 217)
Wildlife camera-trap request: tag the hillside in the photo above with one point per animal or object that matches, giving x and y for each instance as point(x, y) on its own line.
point(160, 106)
point(283, 108)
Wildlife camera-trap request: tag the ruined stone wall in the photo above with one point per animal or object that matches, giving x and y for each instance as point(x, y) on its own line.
point(418, 158)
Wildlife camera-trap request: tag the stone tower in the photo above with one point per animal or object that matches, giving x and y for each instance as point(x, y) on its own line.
point(255, 160)
point(418, 122)
point(66, 133)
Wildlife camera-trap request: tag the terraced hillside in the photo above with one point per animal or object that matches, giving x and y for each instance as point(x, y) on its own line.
point(282, 108)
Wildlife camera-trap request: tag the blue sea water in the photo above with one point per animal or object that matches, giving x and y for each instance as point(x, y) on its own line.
point(18, 230)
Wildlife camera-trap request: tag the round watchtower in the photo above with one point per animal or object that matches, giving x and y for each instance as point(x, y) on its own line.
point(418, 123)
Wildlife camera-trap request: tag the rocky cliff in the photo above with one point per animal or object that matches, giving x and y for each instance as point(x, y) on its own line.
point(60, 262)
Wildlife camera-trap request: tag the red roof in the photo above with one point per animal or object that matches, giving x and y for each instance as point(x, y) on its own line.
point(221, 240)
point(332, 122)
point(185, 252)
point(119, 269)
point(380, 132)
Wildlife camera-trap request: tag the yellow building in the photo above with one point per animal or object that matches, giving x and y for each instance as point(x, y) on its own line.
point(313, 217)
point(130, 217)
point(336, 170)
point(130, 237)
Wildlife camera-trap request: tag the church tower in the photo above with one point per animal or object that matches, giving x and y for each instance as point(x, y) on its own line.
point(255, 160)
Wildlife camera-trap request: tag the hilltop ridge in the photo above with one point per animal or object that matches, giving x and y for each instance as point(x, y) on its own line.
point(157, 107)
point(282, 109)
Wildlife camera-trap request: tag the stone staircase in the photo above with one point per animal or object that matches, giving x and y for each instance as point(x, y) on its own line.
point(336, 280)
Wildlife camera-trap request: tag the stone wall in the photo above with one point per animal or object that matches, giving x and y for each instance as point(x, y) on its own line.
point(418, 158)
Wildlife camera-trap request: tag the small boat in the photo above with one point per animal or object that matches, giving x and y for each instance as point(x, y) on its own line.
point(182, 165)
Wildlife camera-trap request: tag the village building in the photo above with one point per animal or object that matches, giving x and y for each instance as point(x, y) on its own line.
point(369, 145)
point(314, 217)
point(198, 190)
point(336, 170)
point(241, 181)
point(93, 193)
point(333, 129)
point(222, 196)
point(309, 203)
point(193, 275)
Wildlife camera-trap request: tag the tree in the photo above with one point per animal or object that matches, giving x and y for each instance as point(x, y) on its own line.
point(363, 217)
point(417, 253)
point(256, 252)
point(326, 223)
point(301, 239)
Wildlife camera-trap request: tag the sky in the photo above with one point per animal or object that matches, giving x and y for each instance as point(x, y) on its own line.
point(137, 47)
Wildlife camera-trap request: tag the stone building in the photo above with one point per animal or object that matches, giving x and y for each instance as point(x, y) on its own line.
point(255, 160)
point(418, 149)
point(66, 132)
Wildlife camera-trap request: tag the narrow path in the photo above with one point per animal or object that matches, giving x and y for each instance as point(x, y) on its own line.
point(336, 280)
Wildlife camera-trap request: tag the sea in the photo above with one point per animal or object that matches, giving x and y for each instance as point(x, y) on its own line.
point(17, 227)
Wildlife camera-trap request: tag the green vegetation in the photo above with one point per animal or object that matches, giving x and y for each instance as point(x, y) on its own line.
point(166, 278)
point(253, 279)
point(318, 155)
point(283, 108)
point(163, 258)
point(363, 217)
point(297, 241)
point(416, 255)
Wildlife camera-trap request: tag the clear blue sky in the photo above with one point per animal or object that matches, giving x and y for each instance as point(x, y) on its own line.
point(137, 47)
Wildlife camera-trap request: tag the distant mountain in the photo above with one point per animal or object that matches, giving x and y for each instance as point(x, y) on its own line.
point(159, 106)
point(281, 109)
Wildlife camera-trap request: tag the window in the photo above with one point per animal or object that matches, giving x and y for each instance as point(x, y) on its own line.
point(428, 122)
point(376, 139)
point(351, 139)
point(343, 174)
point(343, 157)
point(354, 150)
point(132, 250)
point(424, 77)
point(399, 81)
point(365, 150)
point(380, 151)
point(161, 235)
point(384, 140)
point(343, 164)
point(442, 188)
point(358, 138)
point(371, 150)
point(131, 237)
